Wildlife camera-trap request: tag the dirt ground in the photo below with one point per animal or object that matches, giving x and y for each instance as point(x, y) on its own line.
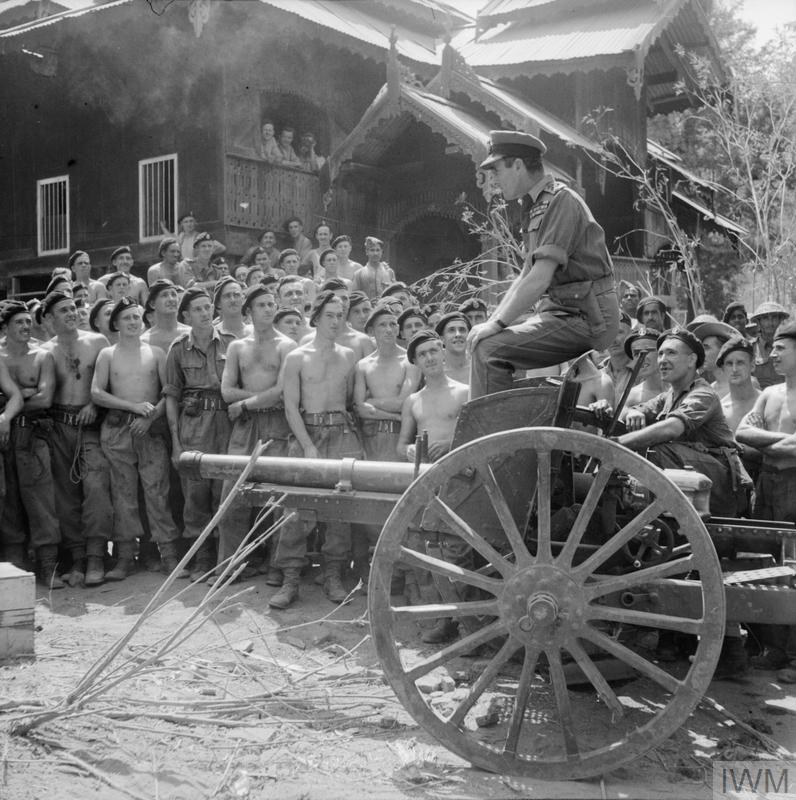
point(283, 705)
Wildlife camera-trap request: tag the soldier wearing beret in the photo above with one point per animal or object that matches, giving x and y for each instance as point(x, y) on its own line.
point(128, 381)
point(359, 342)
point(170, 267)
point(251, 385)
point(736, 360)
point(453, 328)
point(770, 427)
point(475, 309)
point(318, 384)
point(202, 271)
point(82, 495)
point(27, 379)
point(80, 264)
point(196, 412)
point(162, 304)
point(122, 261)
point(567, 278)
point(685, 423)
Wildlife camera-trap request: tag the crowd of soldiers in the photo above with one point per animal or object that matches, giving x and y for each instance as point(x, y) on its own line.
point(107, 381)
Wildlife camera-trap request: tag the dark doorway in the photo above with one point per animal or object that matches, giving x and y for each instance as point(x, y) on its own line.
point(428, 244)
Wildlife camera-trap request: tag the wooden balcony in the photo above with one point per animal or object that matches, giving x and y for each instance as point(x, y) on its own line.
point(260, 195)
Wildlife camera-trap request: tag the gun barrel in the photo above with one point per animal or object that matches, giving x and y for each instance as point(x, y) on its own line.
point(316, 473)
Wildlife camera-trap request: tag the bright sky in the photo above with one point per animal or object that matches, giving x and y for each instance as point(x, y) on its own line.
point(768, 15)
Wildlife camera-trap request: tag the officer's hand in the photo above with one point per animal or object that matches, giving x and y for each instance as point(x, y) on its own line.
point(481, 331)
point(235, 410)
point(635, 420)
point(87, 415)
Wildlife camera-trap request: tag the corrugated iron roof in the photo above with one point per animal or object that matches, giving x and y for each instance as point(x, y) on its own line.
point(718, 219)
point(629, 29)
point(353, 19)
point(77, 8)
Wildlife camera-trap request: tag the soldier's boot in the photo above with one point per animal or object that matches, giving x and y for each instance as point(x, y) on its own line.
point(95, 571)
point(203, 562)
point(445, 630)
point(125, 562)
point(169, 560)
point(77, 572)
point(15, 554)
point(47, 556)
point(289, 591)
point(332, 584)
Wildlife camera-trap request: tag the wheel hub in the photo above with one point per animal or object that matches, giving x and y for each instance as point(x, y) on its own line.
point(541, 604)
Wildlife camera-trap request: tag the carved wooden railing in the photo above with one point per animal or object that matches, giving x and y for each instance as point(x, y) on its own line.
point(259, 195)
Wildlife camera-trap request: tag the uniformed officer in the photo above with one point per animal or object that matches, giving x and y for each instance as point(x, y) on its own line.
point(568, 275)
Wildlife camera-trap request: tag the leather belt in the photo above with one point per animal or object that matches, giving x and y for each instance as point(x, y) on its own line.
point(326, 418)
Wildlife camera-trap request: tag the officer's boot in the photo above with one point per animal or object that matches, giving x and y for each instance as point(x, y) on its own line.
point(125, 562)
point(95, 571)
point(289, 590)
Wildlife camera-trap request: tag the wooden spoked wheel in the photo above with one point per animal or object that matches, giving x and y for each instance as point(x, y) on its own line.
point(536, 605)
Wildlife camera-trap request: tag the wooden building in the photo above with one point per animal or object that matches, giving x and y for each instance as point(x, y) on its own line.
point(119, 115)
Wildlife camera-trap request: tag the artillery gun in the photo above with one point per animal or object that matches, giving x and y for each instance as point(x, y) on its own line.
point(578, 551)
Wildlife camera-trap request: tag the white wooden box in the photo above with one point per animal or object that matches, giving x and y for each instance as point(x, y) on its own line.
point(17, 598)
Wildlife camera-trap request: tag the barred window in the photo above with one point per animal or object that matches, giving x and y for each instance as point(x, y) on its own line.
point(52, 215)
point(157, 197)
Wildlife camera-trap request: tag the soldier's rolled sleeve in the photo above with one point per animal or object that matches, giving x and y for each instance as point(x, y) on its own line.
point(175, 380)
point(698, 406)
point(561, 229)
point(651, 408)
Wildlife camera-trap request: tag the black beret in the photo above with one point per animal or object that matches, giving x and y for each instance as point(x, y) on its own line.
point(253, 293)
point(340, 239)
point(74, 257)
point(286, 312)
point(322, 256)
point(166, 242)
point(120, 251)
point(160, 285)
point(473, 304)
point(645, 301)
point(288, 251)
point(189, 296)
point(55, 281)
point(270, 280)
point(377, 312)
point(186, 214)
point(219, 287)
point(95, 310)
point(122, 305)
point(452, 316)
point(731, 308)
point(52, 299)
point(115, 276)
point(334, 285)
point(322, 300)
point(421, 337)
point(398, 286)
point(640, 333)
point(787, 330)
point(355, 298)
point(738, 342)
point(689, 339)
point(10, 309)
point(201, 237)
point(408, 314)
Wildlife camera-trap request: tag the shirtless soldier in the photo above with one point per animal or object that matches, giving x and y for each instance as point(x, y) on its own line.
point(163, 300)
point(453, 329)
point(382, 382)
point(318, 382)
point(128, 379)
point(771, 428)
point(26, 456)
point(252, 388)
point(434, 409)
point(196, 412)
point(80, 471)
